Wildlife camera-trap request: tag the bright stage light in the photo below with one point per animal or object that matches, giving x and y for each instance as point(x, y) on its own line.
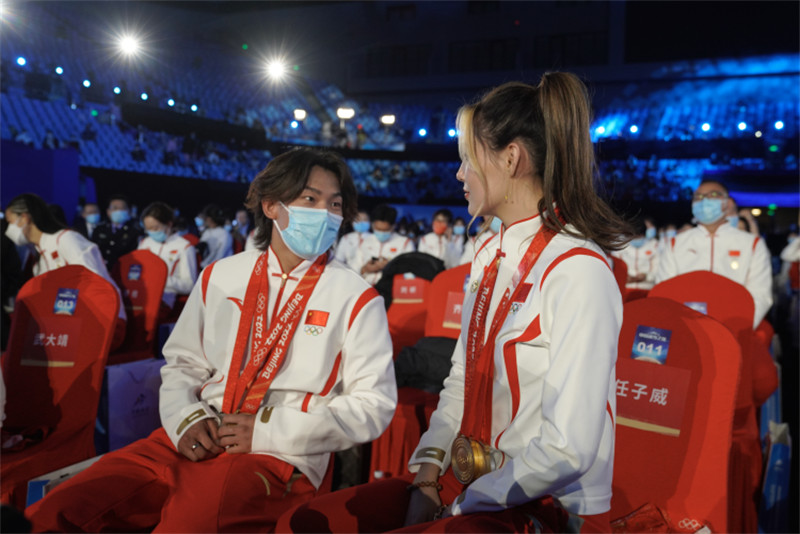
point(117, 90)
point(779, 125)
point(345, 113)
point(276, 69)
point(144, 96)
point(194, 107)
point(742, 126)
point(705, 127)
point(129, 45)
point(87, 84)
point(170, 102)
point(758, 133)
point(300, 114)
point(294, 124)
point(387, 120)
point(21, 61)
point(59, 71)
point(634, 129)
point(600, 130)
point(451, 132)
point(756, 212)
point(422, 132)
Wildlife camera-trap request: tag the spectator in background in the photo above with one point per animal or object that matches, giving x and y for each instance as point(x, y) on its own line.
point(119, 235)
point(218, 242)
point(25, 138)
point(241, 227)
point(474, 244)
point(741, 218)
point(88, 220)
point(31, 221)
point(347, 248)
point(641, 255)
point(439, 243)
point(138, 153)
point(180, 256)
point(51, 142)
point(715, 245)
point(382, 245)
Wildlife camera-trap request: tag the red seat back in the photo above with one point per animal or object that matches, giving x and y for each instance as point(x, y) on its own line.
point(620, 269)
point(684, 474)
point(141, 276)
point(53, 366)
point(444, 302)
point(406, 314)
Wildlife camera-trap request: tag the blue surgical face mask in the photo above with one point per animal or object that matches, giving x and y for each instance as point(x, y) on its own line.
point(495, 225)
point(638, 242)
point(670, 233)
point(650, 233)
point(93, 218)
point(361, 226)
point(310, 231)
point(228, 227)
point(120, 216)
point(458, 230)
point(733, 220)
point(159, 236)
point(383, 237)
point(708, 210)
point(199, 222)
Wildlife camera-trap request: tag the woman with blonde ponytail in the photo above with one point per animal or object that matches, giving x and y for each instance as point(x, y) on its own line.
point(523, 436)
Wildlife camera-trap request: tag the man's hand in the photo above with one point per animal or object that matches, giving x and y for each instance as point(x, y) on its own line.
point(374, 265)
point(200, 441)
point(236, 432)
point(637, 277)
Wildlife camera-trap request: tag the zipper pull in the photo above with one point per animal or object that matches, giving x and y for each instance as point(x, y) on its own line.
point(284, 276)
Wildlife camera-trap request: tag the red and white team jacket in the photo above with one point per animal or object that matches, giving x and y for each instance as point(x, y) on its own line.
point(553, 401)
point(730, 252)
point(347, 247)
point(439, 246)
point(68, 247)
point(372, 248)
point(181, 259)
point(642, 260)
point(336, 387)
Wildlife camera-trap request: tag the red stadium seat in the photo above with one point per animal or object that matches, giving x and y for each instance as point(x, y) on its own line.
point(731, 304)
point(142, 276)
point(53, 371)
point(407, 312)
point(444, 301)
point(674, 452)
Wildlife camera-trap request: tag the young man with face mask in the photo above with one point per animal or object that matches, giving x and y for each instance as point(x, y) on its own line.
point(715, 245)
point(88, 221)
point(119, 235)
point(382, 245)
point(439, 242)
point(641, 256)
point(281, 356)
point(347, 247)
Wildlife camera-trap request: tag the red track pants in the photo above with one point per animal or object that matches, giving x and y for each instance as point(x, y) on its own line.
point(381, 507)
point(148, 484)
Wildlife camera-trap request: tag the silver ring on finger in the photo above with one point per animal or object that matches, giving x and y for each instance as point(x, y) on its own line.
point(196, 445)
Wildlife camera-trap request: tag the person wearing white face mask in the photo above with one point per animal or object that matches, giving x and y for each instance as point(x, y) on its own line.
point(347, 247)
point(715, 245)
point(119, 235)
point(179, 255)
point(280, 357)
point(30, 221)
point(383, 245)
point(641, 256)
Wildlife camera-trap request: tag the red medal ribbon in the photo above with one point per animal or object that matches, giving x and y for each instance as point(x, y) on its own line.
point(267, 352)
point(479, 368)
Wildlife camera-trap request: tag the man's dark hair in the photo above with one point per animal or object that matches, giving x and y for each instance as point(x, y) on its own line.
point(385, 213)
point(215, 213)
point(446, 212)
point(284, 180)
point(119, 196)
point(160, 212)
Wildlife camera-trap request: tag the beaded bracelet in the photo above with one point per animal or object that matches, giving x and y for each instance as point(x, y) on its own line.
point(425, 484)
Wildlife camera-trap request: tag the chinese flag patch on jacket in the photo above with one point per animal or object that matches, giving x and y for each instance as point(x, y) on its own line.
point(317, 318)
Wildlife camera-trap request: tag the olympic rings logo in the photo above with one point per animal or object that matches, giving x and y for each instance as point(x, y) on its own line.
point(690, 524)
point(515, 307)
point(313, 330)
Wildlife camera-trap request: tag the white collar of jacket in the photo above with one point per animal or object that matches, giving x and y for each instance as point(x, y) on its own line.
point(48, 241)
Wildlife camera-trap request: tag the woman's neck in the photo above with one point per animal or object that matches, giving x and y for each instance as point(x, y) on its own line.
point(35, 235)
point(520, 204)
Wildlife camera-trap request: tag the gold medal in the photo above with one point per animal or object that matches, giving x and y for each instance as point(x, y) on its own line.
point(470, 459)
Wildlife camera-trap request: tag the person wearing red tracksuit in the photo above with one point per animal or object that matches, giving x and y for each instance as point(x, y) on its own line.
point(280, 357)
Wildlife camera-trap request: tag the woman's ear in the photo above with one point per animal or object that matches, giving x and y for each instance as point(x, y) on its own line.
point(513, 157)
point(270, 208)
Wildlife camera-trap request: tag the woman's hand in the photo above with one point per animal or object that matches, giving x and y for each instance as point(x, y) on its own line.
point(424, 501)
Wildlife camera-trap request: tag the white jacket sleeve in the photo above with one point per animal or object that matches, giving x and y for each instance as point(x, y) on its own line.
point(184, 275)
point(759, 281)
point(358, 413)
point(186, 371)
point(581, 319)
point(791, 252)
point(667, 265)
